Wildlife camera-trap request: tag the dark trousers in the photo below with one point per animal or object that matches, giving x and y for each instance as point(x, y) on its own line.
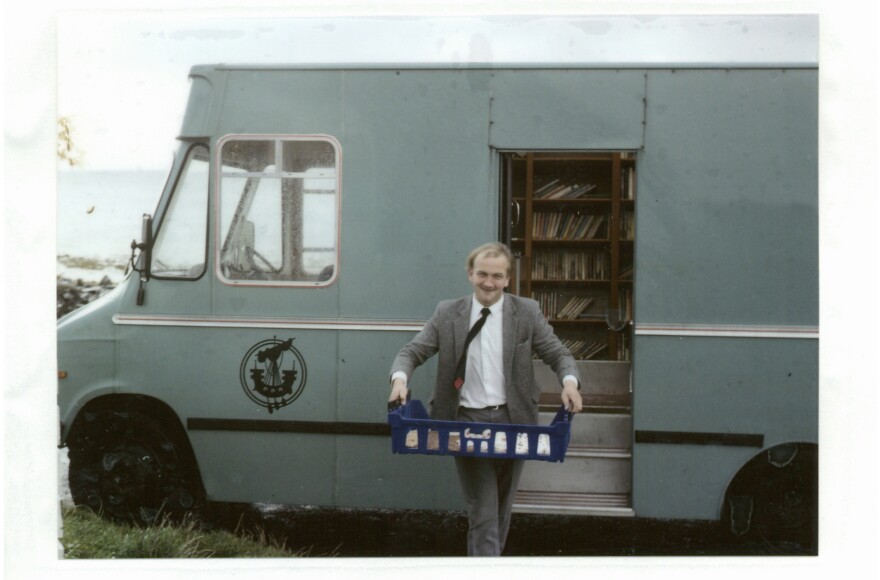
point(488, 487)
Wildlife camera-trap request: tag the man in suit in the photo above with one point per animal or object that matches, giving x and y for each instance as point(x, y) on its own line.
point(498, 383)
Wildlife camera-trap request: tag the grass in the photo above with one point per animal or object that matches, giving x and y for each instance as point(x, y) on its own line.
point(87, 535)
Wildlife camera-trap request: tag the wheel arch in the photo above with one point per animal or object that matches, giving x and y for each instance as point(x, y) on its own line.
point(155, 408)
point(771, 474)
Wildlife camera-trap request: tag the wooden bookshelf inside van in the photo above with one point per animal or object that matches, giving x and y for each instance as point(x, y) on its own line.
point(569, 217)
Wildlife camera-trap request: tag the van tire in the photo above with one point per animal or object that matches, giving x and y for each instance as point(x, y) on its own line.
point(128, 465)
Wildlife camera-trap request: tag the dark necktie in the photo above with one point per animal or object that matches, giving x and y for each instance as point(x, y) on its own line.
point(462, 362)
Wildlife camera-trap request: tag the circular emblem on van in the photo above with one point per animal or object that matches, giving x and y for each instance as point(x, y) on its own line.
point(273, 373)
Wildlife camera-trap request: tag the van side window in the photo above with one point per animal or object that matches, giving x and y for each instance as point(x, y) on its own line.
point(181, 244)
point(279, 210)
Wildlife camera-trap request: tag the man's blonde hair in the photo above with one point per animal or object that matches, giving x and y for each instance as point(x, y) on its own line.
point(491, 250)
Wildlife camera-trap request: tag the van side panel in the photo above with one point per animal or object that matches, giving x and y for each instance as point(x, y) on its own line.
point(744, 387)
point(568, 109)
point(266, 102)
point(727, 234)
point(281, 102)
point(738, 385)
point(416, 188)
point(198, 106)
point(416, 198)
point(727, 216)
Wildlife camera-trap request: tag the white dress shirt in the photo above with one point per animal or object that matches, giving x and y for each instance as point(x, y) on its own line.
point(484, 374)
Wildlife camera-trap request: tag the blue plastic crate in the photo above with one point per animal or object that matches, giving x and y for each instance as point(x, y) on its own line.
point(413, 431)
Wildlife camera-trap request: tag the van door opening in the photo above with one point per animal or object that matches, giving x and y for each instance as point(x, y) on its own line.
point(569, 218)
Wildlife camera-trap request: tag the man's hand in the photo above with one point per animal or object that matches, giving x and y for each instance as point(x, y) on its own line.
point(571, 397)
point(398, 391)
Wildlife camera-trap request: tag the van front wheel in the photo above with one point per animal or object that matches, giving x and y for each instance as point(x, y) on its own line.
point(126, 466)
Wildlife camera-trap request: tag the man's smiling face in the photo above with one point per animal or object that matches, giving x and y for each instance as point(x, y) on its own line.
point(489, 277)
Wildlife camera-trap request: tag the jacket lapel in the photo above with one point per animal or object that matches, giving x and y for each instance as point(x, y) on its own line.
point(508, 331)
point(461, 325)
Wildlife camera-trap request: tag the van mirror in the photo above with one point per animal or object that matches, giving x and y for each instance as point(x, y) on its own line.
point(145, 257)
point(147, 229)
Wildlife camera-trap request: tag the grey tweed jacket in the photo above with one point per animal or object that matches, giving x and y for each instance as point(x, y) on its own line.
point(524, 330)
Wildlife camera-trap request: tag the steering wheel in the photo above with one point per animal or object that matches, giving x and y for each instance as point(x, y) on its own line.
point(251, 253)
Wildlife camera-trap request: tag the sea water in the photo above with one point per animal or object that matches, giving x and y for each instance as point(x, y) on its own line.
point(99, 214)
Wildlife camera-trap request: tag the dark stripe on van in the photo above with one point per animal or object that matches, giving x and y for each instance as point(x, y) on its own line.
point(319, 427)
point(694, 438)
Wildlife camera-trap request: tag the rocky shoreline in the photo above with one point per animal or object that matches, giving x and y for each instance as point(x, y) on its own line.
point(75, 293)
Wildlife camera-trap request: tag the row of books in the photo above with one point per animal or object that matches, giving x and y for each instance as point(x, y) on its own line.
point(568, 226)
point(583, 349)
point(569, 265)
point(558, 307)
point(558, 189)
point(627, 225)
point(624, 347)
point(625, 302)
point(628, 183)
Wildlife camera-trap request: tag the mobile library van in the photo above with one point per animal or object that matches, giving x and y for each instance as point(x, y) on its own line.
point(663, 215)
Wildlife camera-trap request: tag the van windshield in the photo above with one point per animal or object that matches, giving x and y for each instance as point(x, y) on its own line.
point(180, 247)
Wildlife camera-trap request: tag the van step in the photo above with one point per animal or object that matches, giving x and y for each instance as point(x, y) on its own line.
point(592, 403)
point(548, 502)
point(601, 430)
point(586, 470)
point(613, 431)
point(585, 452)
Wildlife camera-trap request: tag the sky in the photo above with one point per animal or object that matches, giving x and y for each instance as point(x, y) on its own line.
point(121, 77)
